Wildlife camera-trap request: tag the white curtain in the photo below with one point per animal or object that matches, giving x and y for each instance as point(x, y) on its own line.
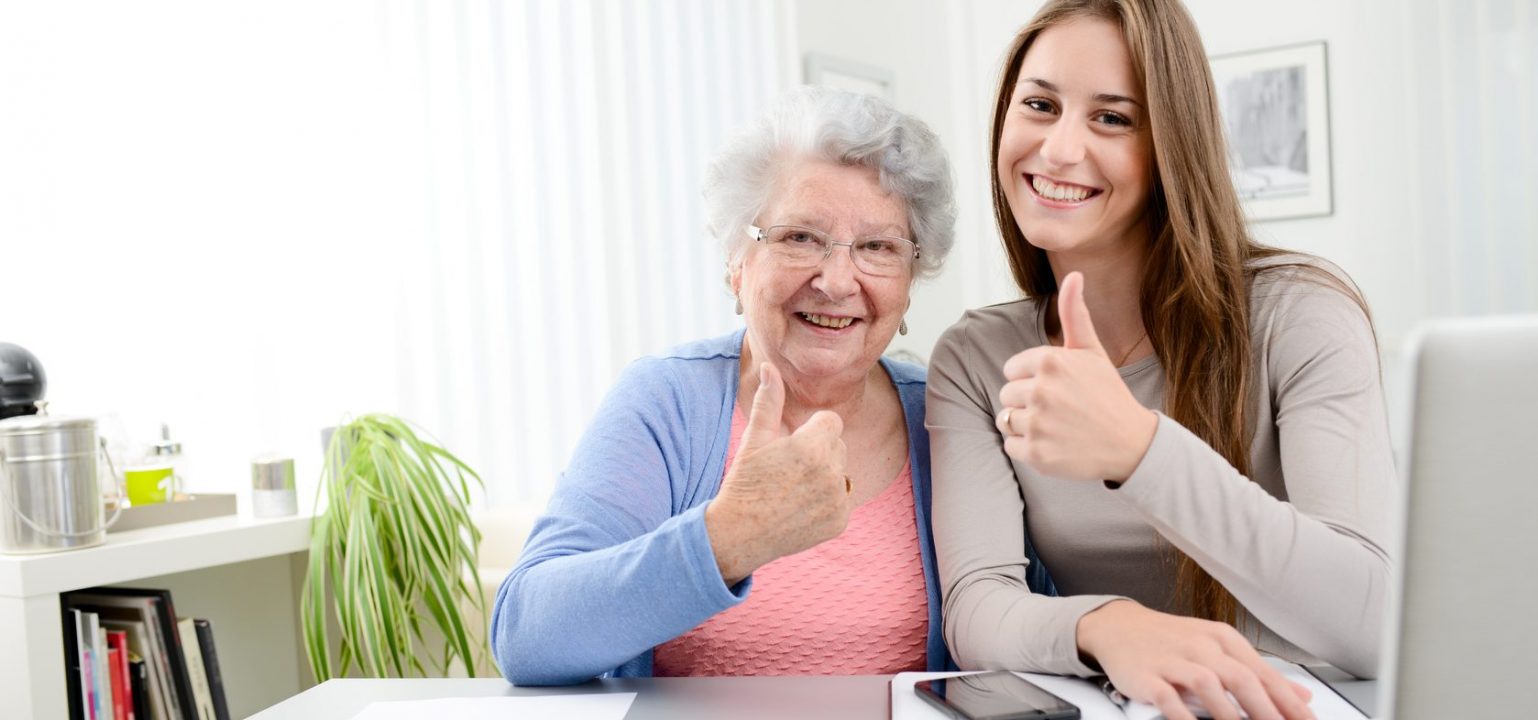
point(560, 149)
point(197, 221)
point(1473, 69)
point(251, 220)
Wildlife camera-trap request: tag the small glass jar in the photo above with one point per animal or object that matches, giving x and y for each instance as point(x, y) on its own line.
point(272, 487)
point(169, 452)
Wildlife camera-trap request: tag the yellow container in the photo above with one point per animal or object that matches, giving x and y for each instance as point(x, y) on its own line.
point(150, 484)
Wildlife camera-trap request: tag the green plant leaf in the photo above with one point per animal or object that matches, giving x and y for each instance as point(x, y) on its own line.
point(395, 538)
point(313, 601)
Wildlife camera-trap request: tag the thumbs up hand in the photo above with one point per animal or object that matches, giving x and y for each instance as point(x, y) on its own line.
point(785, 492)
point(1065, 410)
point(1073, 316)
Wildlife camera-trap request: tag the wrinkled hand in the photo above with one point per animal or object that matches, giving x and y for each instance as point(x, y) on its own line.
point(1155, 657)
point(1066, 411)
point(784, 493)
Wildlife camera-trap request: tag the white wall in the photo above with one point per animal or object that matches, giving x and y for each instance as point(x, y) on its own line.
point(204, 208)
point(1369, 233)
point(941, 56)
point(558, 152)
point(1412, 223)
point(195, 220)
point(254, 221)
point(1371, 171)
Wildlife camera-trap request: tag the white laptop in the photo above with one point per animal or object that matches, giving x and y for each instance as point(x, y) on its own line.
point(1464, 639)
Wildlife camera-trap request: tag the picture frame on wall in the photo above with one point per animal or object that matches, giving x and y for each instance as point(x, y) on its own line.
point(844, 74)
point(1276, 113)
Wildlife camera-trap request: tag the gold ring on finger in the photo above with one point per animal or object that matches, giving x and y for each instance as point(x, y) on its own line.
point(1005, 417)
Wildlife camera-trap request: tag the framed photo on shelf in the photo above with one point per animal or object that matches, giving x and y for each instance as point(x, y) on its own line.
point(1276, 113)
point(843, 74)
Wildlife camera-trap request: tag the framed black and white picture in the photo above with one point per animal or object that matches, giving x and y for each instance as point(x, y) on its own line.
point(1275, 106)
point(844, 74)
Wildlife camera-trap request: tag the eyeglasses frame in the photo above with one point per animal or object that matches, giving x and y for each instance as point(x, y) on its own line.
point(762, 235)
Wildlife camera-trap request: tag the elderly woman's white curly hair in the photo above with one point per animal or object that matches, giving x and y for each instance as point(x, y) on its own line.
point(818, 123)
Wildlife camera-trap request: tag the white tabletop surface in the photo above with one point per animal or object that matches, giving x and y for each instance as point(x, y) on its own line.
point(857, 697)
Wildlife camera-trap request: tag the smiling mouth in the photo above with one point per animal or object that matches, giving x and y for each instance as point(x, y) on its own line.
point(1061, 192)
point(827, 321)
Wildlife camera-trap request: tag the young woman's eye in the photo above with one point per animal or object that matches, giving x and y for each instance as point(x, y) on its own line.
point(1110, 118)
point(1038, 104)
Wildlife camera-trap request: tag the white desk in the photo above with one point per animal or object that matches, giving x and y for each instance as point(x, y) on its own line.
point(241, 573)
point(858, 697)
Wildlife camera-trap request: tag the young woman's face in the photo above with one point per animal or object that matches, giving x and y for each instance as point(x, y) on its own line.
point(1075, 153)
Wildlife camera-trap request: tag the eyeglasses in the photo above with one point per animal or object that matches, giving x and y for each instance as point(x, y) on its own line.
point(802, 247)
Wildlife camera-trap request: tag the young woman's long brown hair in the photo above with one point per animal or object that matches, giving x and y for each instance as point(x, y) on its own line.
point(1201, 260)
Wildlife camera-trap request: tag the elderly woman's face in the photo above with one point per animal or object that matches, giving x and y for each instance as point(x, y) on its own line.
point(832, 320)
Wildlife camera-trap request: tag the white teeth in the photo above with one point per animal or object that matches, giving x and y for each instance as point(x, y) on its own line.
point(828, 322)
point(1054, 191)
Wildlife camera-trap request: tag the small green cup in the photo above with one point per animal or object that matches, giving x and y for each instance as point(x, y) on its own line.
point(150, 485)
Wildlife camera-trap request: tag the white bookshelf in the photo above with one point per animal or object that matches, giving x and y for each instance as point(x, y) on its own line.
point(243, 574)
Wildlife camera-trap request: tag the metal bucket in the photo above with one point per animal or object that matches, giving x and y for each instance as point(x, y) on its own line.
point(50, 498)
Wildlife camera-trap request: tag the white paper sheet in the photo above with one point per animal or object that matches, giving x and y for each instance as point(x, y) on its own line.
point(599, 706)
point(906, 705)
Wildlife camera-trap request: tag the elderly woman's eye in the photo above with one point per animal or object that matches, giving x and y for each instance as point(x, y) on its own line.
point(878, 246)
point(799, 237)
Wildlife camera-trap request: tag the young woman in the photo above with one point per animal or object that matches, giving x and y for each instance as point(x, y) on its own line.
point(1190, 424)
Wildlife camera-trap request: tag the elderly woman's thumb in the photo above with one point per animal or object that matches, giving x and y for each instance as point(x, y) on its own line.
point(768, 408)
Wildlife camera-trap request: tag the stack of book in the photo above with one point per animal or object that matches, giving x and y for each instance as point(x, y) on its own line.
point(128, 657)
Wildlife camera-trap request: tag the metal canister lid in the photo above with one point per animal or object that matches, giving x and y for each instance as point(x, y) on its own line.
point(43, 437)
point(33, 423)
point(272, 473)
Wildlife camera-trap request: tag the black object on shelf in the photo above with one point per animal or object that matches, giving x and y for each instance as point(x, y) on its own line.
point(138, 681)
point(211, 668)
point(72, 675)
point(22, 381)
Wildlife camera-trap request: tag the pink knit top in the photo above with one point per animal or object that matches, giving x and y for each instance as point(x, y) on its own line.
point(854, 605)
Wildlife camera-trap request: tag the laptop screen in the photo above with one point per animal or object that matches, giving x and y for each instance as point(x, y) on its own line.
point(1468, 569)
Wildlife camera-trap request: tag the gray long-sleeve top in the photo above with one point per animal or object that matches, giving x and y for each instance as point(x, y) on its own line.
point(1300, 543)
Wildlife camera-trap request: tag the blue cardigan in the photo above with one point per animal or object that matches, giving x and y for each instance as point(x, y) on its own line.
point(620, 562)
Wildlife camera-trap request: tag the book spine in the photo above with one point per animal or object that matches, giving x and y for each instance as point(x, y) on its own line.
point(88, 665)
point(186, 701)
point(103, 670)
point(72, 669)
point(194, 655)
point(161, 656)
point(122, 691)
point(205, 632)
point(119, 681)
point(88, 678)
point(138, 683)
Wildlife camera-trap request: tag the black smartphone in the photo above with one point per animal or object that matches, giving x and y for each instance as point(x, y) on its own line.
point(999, 695)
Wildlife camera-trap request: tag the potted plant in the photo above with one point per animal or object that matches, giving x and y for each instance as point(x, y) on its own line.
point(390, 552)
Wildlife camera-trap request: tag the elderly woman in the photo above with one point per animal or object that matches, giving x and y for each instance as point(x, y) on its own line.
point(758, 503)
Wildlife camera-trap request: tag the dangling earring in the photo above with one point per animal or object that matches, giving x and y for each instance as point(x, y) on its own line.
point(902, 327)
point(739, 306)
